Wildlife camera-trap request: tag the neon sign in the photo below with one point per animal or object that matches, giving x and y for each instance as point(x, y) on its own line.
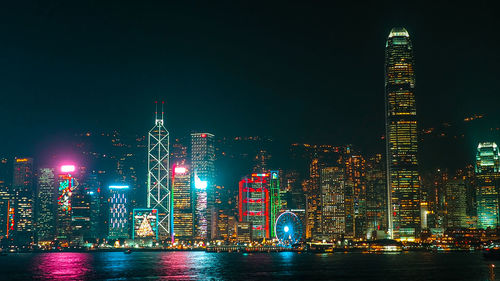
point(199, 184)
point(118, 186)
point(66, 187)
point(67, 168)
point(180, 170)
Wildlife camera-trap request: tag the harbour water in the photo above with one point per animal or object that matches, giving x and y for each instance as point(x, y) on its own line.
point(246, 266)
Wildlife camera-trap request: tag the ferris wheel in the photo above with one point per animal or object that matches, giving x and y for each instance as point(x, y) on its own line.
point(289, 228)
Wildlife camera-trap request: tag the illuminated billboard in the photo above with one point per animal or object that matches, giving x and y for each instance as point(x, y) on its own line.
point(145, 223)
point(66, 186)
point(67, 168)
point(199, 184)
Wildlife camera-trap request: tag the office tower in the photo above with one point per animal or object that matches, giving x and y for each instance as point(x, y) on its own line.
point(118, 212)
point(433, 199)
point(296, 197)
point(456, 203)
point(401, 137)
point(313, 200)
point(5, 195)
point(66, 183)
point(23, 187)
point(223, 224)
point(274, 196)
point(223, 210)
point(253, 204)
point(127, 172)
point(203, 174)
point(376, 195)
point(284, 192)
point(356, 175)
point(333, 208)
point(92, 187)
point(80, 216)
point(159, 192)
point(244, 232)
point(183, 211)
point(487, 176)
point(46, 205)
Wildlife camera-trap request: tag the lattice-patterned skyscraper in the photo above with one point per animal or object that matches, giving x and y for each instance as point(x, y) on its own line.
point(159, 192)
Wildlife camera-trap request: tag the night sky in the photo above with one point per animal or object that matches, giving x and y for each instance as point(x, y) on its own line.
point(307, 71)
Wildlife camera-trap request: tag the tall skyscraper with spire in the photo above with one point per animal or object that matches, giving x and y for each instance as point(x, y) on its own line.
point(403, 186)
point(159, 191)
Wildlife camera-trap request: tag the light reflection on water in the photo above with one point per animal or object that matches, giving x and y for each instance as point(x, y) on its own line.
point(62, 266)
point(244, 266)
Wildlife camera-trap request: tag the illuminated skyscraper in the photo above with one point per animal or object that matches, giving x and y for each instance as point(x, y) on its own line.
point(183, 211)
point(487, 177)
point(456, 203)
point(333, 207)
point(203, 174)
point(376, 195)
point(159, 192)
point(46, 205)
point(23, 188)
point(5, 195)
point(274, 197)
point(80, 216)
point(119, 202)
point(313, 200)
point(66, 185)
point(403, 186)
point(355, 175)
point(97, 218)
point(253, 204)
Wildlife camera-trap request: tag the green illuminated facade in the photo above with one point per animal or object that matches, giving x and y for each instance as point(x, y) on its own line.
point(275, 200)
point(487, 175)
point(403, 186)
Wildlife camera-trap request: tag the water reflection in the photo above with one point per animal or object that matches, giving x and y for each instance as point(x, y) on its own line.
point(253, 266)
point(62, 266)
point(188, 265)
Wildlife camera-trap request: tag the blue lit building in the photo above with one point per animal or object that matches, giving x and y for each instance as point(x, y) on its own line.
point(487, 174)
point(118, 212)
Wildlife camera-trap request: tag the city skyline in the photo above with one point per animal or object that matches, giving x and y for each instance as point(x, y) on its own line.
point(249, 141)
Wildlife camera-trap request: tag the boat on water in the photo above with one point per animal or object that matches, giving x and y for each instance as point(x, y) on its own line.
point(385, 246)
point(491, 253)
point(128, 252)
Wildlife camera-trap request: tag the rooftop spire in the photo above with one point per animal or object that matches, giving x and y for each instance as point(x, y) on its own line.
point(156, 110)
point(162, 112)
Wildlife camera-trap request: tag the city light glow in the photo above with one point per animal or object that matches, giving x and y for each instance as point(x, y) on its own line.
point(180, 170)
point(67, 168)
point(199, 184)
point(118, 186)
